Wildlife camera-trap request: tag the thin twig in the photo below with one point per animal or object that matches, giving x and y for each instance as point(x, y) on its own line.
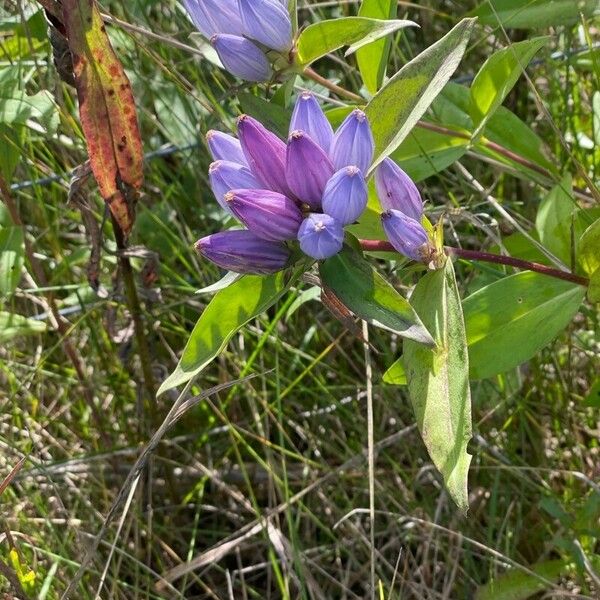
point(477, 255)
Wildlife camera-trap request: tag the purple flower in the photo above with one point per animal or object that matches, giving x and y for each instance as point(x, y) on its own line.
point(397, 191)
point(310, 118)
point(225, 176)
point(267, 22)
point(241, 57)
point(321, 236)
point(223, 146)
point(265, 154)
point(269, 215)
point(345, 196)
point(243, 252)
point(407, 235)
point(307, 168)
point(215, 16)
point(353, 142)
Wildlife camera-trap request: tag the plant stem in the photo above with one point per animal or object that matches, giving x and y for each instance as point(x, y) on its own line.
point(133, 303)
point(477, 255)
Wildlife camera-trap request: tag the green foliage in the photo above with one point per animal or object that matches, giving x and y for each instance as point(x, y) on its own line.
point(230, 309)
point(497, 77)
point(321, 38)
point(511, 320)
point(12, 258)
point(368, 295)
point(13, 326)
point(373, 58)
point(403, 100)
point(534, 14)
point(438, 380)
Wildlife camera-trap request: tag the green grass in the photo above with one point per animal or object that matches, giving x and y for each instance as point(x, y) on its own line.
point(287, 445)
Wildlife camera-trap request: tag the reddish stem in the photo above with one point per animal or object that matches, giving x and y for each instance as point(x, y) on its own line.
point(383, 246)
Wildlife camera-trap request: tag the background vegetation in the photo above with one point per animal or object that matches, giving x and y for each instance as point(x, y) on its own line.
point(263, 486)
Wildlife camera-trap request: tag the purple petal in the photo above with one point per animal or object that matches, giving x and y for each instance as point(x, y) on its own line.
point(223, 146)
point(405, 234)
point(241, 57)
point(243, 252)
point(353, 143)
point(396, 190)
point(269, 215)
point(215, 16)
point(310, 118)
point(265, 154)
point(307, 169)
point(320, 236)
point(267, 22)
point(225, 176)
point(345, 196)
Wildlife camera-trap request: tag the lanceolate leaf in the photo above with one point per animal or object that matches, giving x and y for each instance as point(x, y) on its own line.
point(497, 77)
point(403, 100)
point(438, 380)
point(534, 14)
point(369, 296)
point(511, 320)
point(229, 310)
point(372, 58)
point(107, 110)
point(324, 37)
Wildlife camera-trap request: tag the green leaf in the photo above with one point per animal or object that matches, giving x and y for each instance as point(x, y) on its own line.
point(11, 140)
point(509, 321)
point(589, 248)
point(403, 100)
point(369, 296)
point(498, 76)
point(438, 380)
point(372, 58)
point(229, 310)
point(554, 219)
point(11, 258)
point(593, 396)
point(16, 107)
point(396, 374)
point(534, 14)
point(517, 585)
point(594, 288)
point(424, 153)
point(12, 326)
point(451, 109)
point(324, 37)
point(273, 116)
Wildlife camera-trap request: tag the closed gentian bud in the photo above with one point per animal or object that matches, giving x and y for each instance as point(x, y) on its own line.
point(406, 234)
point(267, 22)
point(307, 169)
point(353, 142)
point(310, 118)
point(265, 154)
point(225, 176)
point(223, 146)
point(243, 252)
point(241, 57)
point(345, 196)
point(269, 215)
point(396, 190)
point(321, 236)
point(215, 16)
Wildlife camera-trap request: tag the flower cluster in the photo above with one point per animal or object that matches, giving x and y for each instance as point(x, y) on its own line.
point(243, 32)
point(307, 191)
